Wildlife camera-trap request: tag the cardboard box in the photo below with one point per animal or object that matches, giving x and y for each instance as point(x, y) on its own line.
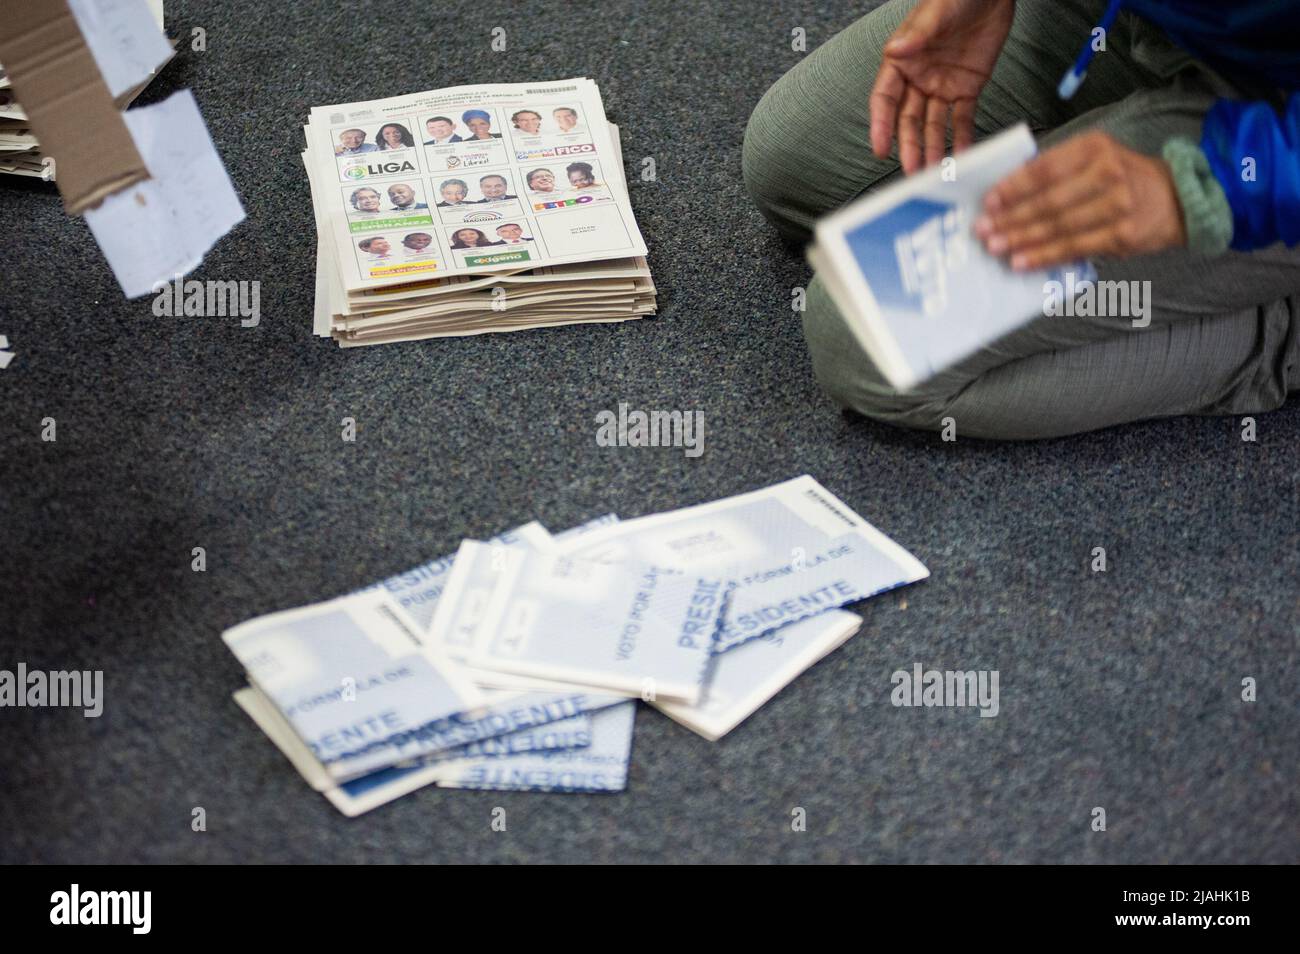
point(68, 105)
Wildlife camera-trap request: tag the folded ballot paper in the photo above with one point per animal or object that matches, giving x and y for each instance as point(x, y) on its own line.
point(913, 283)
point(515, 663)
point(493, 207)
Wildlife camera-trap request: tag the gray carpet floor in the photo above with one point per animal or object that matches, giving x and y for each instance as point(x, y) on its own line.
point(1119, 689)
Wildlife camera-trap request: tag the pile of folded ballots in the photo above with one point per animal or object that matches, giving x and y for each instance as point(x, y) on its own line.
point(516, 663)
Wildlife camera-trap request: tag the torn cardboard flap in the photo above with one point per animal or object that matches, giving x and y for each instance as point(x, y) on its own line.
point(67, 102)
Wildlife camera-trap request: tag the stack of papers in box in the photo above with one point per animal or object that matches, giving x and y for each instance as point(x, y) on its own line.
point(128, 53)
point(473, 209)
point(20, 153)
point(515, 663)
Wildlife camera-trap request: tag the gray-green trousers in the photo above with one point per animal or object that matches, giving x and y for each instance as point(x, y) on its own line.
point(1224, 336)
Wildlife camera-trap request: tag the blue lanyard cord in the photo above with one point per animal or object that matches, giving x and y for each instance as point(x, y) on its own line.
point(1073, 78)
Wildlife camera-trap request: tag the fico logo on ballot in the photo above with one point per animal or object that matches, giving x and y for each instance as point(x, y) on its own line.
point(103, 907)
point(554, 152)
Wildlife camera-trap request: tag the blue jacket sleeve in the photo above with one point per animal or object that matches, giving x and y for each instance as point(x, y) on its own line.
point(1264, 192)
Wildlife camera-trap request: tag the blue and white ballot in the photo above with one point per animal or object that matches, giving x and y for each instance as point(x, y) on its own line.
point(600, 766)
point(913, 283)
point(419, 589)
point(474, 575)
point(353, 679)
point(537, 716)
point(629, 627)
point(744, 678)
point(362, 794)
point(793, 550)
point(446, 597)
point(477, 570)
point(463, 604)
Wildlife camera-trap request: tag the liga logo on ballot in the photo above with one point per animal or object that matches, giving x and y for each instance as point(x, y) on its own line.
point(364, 169)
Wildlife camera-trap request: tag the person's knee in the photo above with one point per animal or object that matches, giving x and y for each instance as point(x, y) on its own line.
point(767, 154)
point(807, 147)
point(851, 378)
point(969, 400)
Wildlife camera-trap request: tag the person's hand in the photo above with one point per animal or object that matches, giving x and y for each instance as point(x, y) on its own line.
point(1088, 196)
point(938, 60)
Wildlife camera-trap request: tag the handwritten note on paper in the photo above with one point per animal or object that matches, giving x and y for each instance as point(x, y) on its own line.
point(162, 227)
point(125, 38)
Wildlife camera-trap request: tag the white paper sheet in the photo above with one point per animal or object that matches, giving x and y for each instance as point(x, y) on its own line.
point(162, 227)
point(126, 39)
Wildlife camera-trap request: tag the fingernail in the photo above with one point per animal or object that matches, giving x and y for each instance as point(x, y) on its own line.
point(997, 244)
point(1020, 262)
point(992, 203)
point(983, 226)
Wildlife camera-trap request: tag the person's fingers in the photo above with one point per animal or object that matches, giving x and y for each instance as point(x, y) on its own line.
point(1045, 204)
point(936, 130)
point(1058, 224)
point(886, 96)
point(910, 119)
point(1037, 175)
point(1067, 248)
point(963, 124)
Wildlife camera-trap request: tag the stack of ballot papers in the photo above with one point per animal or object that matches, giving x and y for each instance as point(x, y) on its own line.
point(515, 663)
point(20, 153)
point(494, 207)
point(119, 36)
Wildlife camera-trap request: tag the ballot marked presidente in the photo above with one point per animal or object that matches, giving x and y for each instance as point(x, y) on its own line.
point(59, 688)
point(523, 657)
point(792, 551)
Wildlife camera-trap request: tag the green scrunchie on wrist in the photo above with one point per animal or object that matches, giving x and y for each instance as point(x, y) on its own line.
point(1206, 212)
